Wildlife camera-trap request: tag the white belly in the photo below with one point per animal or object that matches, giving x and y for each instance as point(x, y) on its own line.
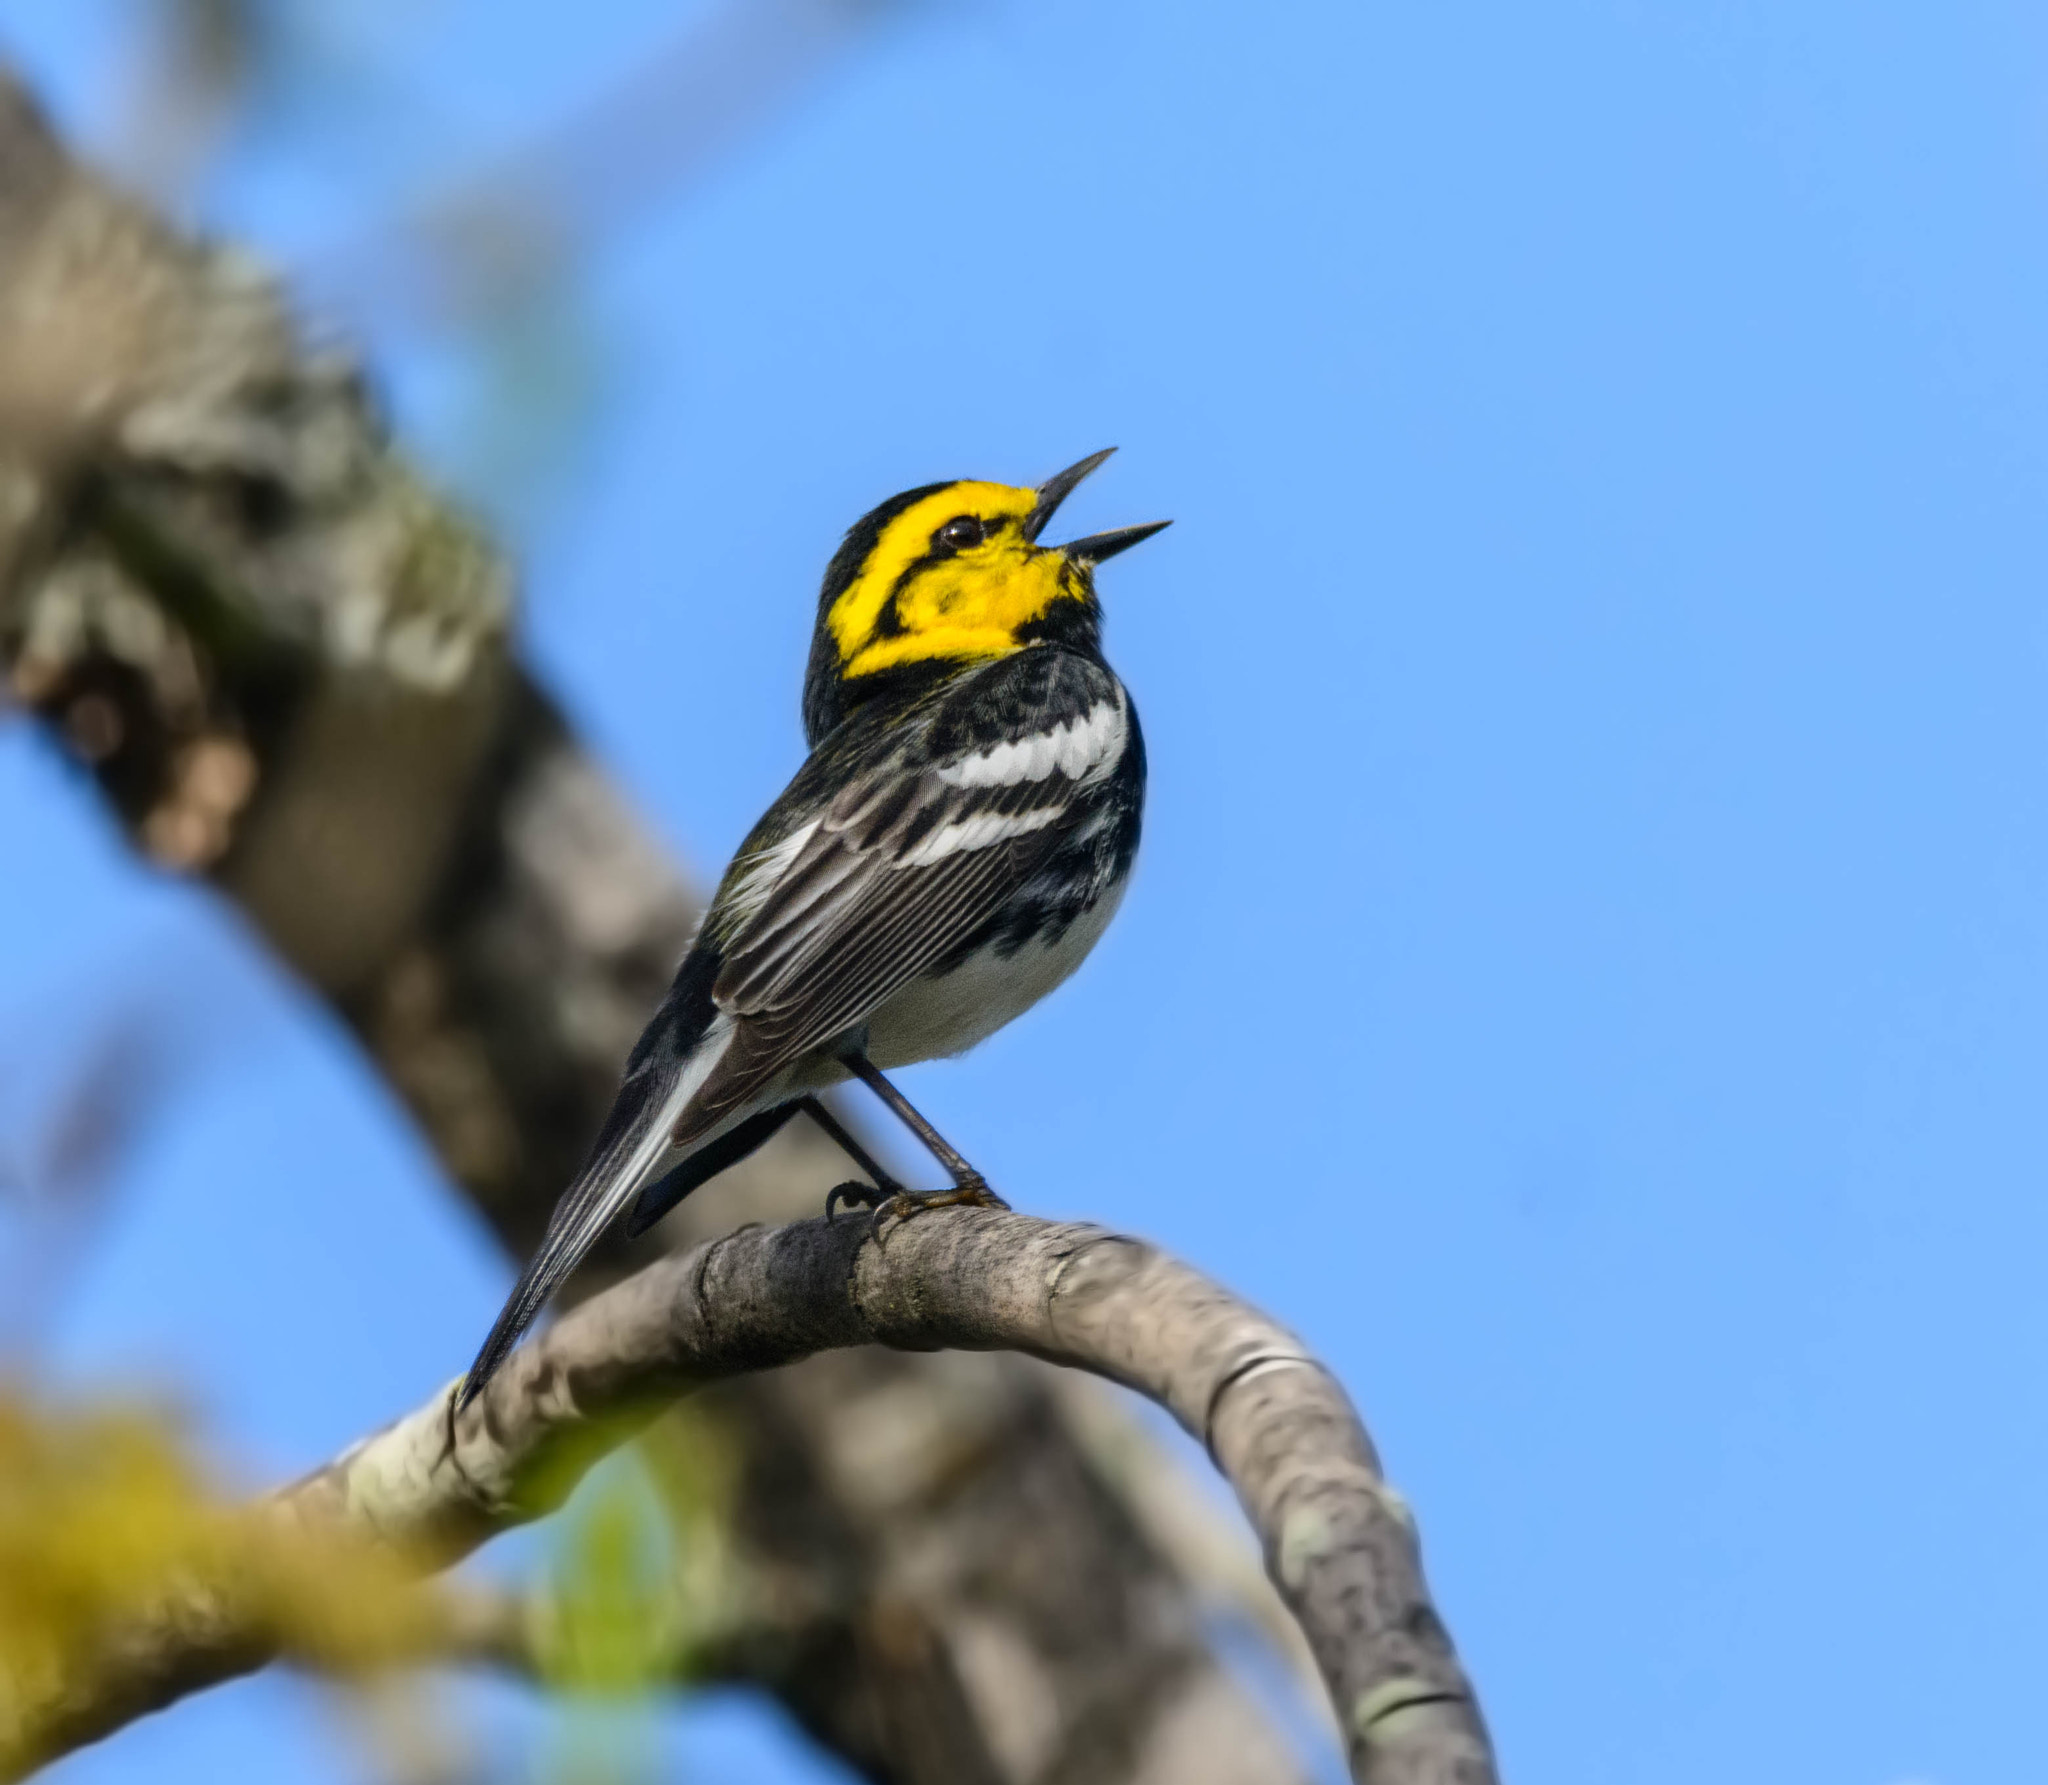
point(930, 1018)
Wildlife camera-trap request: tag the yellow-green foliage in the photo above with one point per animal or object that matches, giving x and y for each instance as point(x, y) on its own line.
point(607, 1632)
point(611, 1631)
point(107, 1521)
point(103, 1517)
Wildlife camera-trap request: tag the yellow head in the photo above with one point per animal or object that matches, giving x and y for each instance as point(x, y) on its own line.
point(946, 576)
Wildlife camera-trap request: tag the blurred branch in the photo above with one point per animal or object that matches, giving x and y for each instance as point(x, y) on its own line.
point(189, 81)
point(287, 665)
point(483, 242)
point(59, 1173)
point(1339, 1543)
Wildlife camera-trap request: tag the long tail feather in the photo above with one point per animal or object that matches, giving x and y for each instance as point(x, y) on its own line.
point(632, 1151)
point(705, 1164)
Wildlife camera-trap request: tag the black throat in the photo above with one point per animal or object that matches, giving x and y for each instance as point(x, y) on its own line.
point(831, 698)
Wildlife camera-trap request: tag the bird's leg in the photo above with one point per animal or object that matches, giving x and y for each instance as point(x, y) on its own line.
point(730, 1148)
point(964, 1176)
point(853, 1192)
point(970, 1188)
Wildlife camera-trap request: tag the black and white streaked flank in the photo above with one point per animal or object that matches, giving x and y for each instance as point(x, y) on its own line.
point(954, 846)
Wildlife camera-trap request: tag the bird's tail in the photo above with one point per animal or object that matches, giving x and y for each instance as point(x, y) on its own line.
point(610, 1180)
point(637, 1145)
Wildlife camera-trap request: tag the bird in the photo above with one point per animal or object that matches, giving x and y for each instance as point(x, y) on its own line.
point(955, 843)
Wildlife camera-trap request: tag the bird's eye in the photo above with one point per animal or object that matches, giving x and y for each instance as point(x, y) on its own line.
point(961, 531)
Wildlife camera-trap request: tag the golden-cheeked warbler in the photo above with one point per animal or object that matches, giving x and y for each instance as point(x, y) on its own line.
point(953, 847)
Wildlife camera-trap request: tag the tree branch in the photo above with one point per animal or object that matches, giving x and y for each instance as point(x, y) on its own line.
point(1338, 1541)
point(289, 666)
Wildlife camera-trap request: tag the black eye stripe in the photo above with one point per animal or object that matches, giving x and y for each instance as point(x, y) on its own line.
point(858, 547)
point(911, 572)
point(889, 622)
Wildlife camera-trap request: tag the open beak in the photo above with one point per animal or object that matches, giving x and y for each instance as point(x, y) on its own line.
point(1097, 546)
point(1057, 489)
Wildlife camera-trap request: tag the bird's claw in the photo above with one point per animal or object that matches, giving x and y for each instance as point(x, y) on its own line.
point(855, 1194)
point(892, 1211)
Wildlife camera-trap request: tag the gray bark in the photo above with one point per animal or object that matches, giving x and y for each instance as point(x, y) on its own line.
point(289, 667)
point(1339, 1544)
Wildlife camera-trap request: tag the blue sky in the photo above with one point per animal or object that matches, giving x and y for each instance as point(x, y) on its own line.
point(1587, 964)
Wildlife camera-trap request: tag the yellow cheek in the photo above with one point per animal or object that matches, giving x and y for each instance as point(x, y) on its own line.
point(971, 607)
point(995, 590)
point(908, 538)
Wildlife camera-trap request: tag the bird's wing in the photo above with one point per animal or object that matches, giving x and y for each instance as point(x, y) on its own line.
point(811, 934)
point(903, 866)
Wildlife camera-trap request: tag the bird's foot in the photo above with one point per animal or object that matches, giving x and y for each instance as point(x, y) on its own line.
point(970, 1193)
point(857, 1195)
